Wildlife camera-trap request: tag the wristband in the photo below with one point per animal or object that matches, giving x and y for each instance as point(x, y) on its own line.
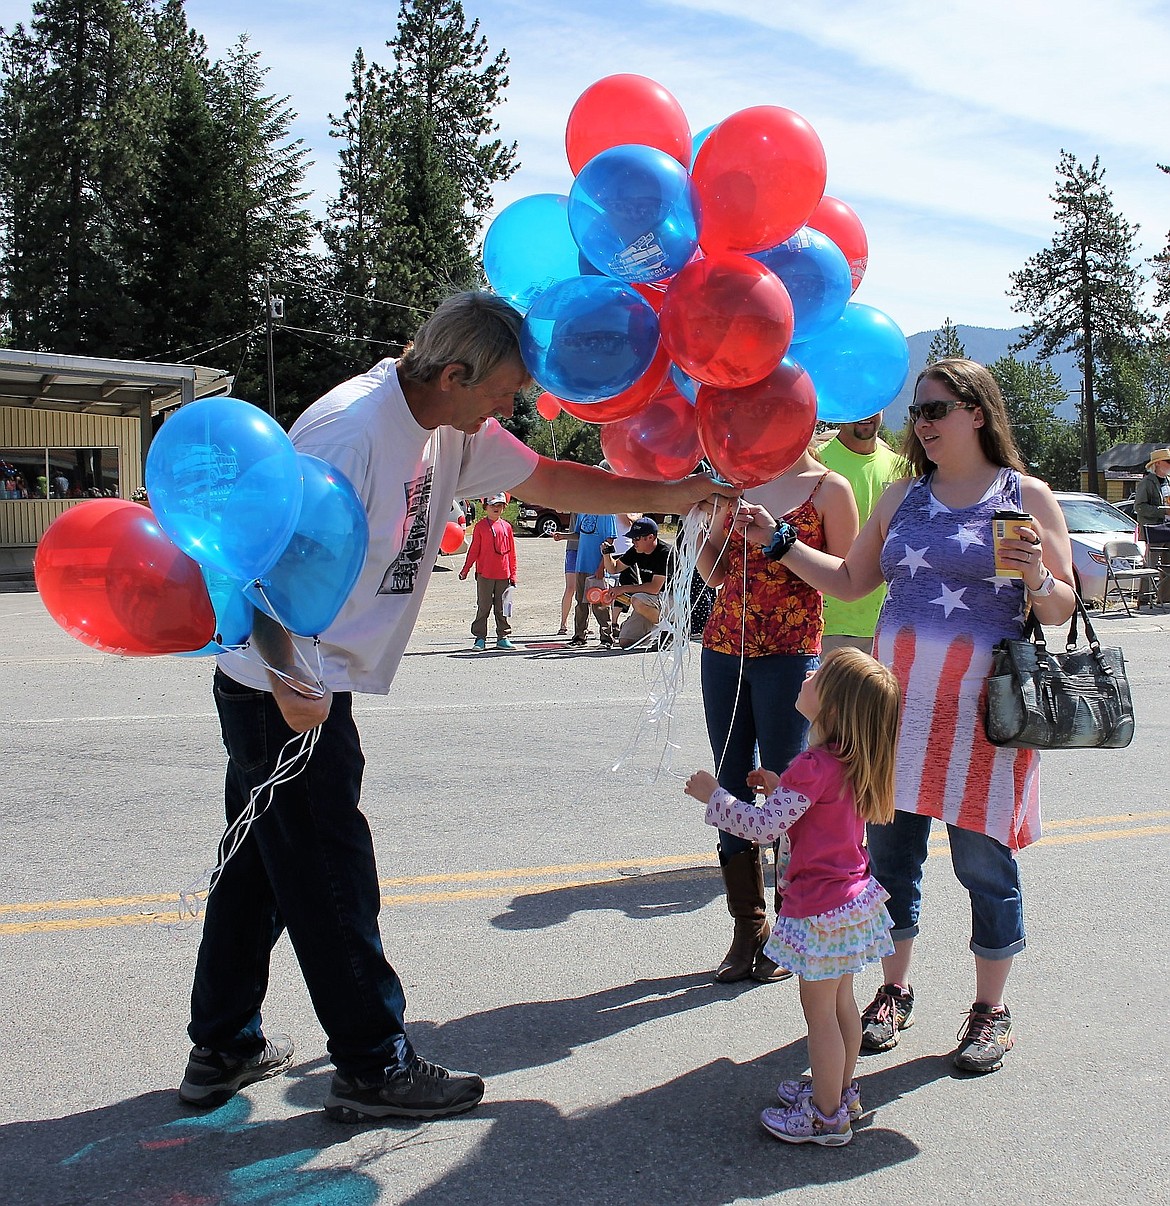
point(1045, 588)
point(782, 541)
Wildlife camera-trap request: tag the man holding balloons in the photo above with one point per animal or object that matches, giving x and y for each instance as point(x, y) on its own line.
point(410, 435)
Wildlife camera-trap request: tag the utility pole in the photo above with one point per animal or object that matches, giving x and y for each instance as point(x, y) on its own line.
point(273, 308)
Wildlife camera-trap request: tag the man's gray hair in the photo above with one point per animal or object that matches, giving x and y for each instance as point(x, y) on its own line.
point(478, 330)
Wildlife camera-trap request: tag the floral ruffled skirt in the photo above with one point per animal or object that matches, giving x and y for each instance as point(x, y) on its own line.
point(840, 942)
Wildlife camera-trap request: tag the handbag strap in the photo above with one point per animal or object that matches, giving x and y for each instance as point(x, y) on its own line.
point(1034, 632)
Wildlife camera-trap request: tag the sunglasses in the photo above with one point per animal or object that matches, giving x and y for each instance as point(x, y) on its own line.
point(933, 411)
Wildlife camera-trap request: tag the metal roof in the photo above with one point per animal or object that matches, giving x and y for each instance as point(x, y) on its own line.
point(92, 385)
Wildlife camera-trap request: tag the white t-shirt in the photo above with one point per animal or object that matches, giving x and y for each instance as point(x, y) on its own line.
point(407, 477)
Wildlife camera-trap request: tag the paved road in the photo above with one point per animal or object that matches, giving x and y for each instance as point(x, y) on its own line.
point(554, 923)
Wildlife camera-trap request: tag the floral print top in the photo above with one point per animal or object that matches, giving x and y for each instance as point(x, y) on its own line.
point(782, 613)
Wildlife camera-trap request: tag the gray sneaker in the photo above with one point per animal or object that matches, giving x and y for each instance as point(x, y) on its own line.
point(421, 1090)
point(984, 1039)
point(213, 1078)
point(891, 1010)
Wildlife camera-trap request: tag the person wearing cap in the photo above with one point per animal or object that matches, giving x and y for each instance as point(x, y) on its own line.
point(1151, 499)
point(1151, 505)
point(493, 553)
point(649, 560)
point(411, 435)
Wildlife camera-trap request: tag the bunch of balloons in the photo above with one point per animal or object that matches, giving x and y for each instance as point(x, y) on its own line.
point(694, 294)
point(238, 520)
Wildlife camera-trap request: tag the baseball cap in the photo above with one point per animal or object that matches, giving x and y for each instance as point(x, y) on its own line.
point(502, 499)
point(643, 527)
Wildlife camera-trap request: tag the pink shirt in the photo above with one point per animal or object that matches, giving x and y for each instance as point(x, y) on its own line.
point(813, 807)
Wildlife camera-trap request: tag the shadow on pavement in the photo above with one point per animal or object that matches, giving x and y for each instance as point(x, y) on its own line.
point(640, 897)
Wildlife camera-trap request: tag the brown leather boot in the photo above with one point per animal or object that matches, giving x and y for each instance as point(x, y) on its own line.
point(764, 971)
point(743, 879)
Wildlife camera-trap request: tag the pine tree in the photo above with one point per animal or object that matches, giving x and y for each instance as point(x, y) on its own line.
point(267, 230)
point(77, 121)
point(1135, 393)
point(946, 344)
point(442, 97)
point(1032, 392)
point(362, 219)
point(1083, 291)
point(1162, 263)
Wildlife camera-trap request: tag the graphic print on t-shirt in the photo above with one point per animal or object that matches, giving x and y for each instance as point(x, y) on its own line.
point(400, 578)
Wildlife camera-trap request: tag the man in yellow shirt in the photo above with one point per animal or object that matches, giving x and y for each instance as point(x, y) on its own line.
point(869, 464)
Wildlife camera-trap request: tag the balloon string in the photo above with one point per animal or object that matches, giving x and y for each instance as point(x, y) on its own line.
point(291, 761)
point(742, 637)
point(314, 689)
point(672, 632)
point(293, 758)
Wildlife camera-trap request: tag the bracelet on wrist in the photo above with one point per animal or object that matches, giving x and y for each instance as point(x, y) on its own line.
point(1046, 587)
point(783, 540)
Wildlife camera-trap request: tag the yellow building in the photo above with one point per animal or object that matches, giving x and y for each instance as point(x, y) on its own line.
point(76, 427)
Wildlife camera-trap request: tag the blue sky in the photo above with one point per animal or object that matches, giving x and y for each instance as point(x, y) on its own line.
point(942, 123)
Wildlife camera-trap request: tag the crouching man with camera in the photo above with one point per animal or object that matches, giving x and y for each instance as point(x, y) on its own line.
point(644, 569)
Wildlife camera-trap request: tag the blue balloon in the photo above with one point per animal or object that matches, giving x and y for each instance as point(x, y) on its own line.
point(688, 387)
point(225, 485)
point(817, 276)
point(858, 365)
point(310, 583)
point(633, 212)
point(233, 614)
point(588, 338)
point(528, 247)
point(697, 141)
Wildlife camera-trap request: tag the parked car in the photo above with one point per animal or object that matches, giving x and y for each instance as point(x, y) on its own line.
point(1093, 523)
point(544, 522)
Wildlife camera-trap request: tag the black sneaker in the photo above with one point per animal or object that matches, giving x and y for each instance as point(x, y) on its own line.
point(213, 1078)
point(984, 1039)
point(577, 641)
point(421, 1090)
point(891, 1010)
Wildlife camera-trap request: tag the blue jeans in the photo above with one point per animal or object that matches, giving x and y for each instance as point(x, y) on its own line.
point(985, 867)
point(763, 718)
point(307, 865)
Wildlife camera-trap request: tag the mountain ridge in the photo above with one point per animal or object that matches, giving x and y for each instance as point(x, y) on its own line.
point(985, 345)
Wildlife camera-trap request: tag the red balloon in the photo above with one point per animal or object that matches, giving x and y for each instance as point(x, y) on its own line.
point(548, 407)
point(453, 535)
point(727, 320)
point(621, 109)
point(752, 435)
point(661, 441)
point(759, 174)
point(837, 220)
point(629, 401)
point(110, 576)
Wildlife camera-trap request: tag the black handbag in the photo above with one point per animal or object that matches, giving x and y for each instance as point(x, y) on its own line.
point(1074, 700)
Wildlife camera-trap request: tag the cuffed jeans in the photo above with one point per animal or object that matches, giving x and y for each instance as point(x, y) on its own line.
point(764, 716)
point(307, 864)
point(985, 867)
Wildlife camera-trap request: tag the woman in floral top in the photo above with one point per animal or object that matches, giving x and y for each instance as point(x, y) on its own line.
point(763, 636)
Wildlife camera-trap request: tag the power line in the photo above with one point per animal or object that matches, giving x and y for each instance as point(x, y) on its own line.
point(387, 343)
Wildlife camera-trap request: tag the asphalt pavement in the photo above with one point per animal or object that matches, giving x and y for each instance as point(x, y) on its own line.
point(554, 921)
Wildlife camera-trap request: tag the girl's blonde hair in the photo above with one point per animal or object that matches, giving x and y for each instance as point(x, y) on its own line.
point(860, 706)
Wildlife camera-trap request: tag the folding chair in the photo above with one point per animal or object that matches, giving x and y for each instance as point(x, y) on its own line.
point(1126, 574)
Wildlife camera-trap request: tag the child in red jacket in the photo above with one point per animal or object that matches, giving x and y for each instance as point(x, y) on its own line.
point(493, 553)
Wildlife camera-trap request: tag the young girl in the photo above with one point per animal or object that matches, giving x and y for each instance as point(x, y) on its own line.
point(833, 920)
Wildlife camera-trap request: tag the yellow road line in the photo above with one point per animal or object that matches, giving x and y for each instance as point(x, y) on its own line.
point(692, 865)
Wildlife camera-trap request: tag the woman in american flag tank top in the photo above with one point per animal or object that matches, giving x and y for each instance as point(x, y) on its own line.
point(930, 540)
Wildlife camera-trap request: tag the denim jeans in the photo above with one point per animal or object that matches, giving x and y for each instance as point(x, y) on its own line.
point(307, 865)
point(763, 718)
point(985, 867)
